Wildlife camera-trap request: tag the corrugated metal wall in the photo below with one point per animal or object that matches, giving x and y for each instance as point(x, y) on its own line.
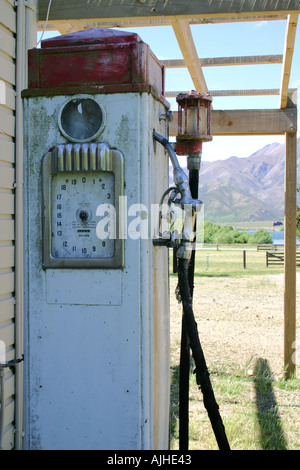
point(7, 205)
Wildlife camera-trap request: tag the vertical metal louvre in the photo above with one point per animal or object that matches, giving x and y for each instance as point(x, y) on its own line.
point(7, 210)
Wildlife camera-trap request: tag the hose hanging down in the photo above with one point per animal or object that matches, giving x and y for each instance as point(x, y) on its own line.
point(202, 374)
point(193, 163)
point(190, 339)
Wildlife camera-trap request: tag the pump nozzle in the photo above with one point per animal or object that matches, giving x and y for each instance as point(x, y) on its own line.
point(189, 204)
point(180, 178)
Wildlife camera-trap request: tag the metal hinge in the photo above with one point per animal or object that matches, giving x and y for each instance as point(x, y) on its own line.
point(168, 116)
point(25, 3)
point(18, 185)
point(11, 364)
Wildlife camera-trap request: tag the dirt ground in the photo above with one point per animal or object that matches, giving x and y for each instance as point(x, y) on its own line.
point(241, 326)
point(240, 319)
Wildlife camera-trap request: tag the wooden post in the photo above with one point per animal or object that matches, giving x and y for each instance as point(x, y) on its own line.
point(244, 259)
point(290, 254)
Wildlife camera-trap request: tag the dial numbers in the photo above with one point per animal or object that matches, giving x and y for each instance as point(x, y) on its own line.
point(82, 213)
point(75, 198)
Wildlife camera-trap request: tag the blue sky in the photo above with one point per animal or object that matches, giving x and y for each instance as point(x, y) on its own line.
point(223, 40)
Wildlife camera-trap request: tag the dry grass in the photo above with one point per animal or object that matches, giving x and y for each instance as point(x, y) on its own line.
point(240, 324)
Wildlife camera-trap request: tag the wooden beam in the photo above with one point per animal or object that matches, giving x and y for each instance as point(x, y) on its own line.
point(259, 92)
point(133, 23)
point(67, 28)
point(225, 61)
point(185, 40)
point(160, 9)
point(290, 254)
point(249, 122)
point(288, 55)
point(220, 93)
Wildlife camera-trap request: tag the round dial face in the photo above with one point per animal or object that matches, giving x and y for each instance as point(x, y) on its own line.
point(81, 119)
point(82, 224)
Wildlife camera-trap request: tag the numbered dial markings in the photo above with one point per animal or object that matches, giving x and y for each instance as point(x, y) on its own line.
point(80, 202)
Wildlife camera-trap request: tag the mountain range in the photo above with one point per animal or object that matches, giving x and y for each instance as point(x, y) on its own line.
point(245, 189)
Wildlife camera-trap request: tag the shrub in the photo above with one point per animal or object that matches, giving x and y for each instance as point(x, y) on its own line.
point(214, 233)
point(261, 236)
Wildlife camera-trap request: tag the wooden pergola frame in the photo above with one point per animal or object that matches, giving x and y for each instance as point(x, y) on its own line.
point(69, 16)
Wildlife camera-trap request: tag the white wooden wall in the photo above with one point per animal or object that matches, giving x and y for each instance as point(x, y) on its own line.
point(7, 178)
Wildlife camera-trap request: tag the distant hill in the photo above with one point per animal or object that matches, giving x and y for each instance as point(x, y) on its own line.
point(245, 189)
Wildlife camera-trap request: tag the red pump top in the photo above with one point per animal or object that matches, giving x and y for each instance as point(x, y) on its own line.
point(92, 36)
point(98, 60)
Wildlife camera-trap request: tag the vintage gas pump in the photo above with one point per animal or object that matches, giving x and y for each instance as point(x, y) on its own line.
point(97, 299)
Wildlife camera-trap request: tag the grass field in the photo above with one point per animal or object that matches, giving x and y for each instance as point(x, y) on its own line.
point(239, 312)
point(224, 262)
point(230, 262)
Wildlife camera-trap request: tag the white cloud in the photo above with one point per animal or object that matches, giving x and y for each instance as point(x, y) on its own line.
point(260, 24)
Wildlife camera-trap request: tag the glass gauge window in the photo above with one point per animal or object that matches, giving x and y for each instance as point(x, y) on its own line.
point(75, 198)
point(81, 119)
point(82, 207)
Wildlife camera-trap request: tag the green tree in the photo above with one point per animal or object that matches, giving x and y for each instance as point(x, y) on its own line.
point(210, 230)
point(219, 234)
point(261, 236)
point(214, 233)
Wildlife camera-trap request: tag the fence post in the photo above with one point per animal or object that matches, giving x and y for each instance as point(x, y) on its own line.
point(290, 253)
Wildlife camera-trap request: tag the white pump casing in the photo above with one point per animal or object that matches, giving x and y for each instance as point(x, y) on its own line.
point(97, 372)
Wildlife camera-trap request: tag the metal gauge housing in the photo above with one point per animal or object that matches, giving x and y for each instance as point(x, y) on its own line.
point(82, 217)
point(81, 119)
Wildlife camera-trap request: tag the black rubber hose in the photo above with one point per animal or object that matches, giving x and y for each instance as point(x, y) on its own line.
point(193, 182)
point(202, 374)
point(184, 372)
point(184, 378)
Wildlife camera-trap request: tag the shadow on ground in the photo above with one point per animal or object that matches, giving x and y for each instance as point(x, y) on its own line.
point(271, 431)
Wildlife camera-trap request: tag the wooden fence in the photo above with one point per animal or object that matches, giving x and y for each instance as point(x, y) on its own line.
point(276, 258)
point(269, 247)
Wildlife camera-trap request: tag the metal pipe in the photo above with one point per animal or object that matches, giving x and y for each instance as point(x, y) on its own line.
point(19, 290)
point(2, 406)
point(26, 38)
point(180, 178)
point(168, 146)
point(26, 20)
